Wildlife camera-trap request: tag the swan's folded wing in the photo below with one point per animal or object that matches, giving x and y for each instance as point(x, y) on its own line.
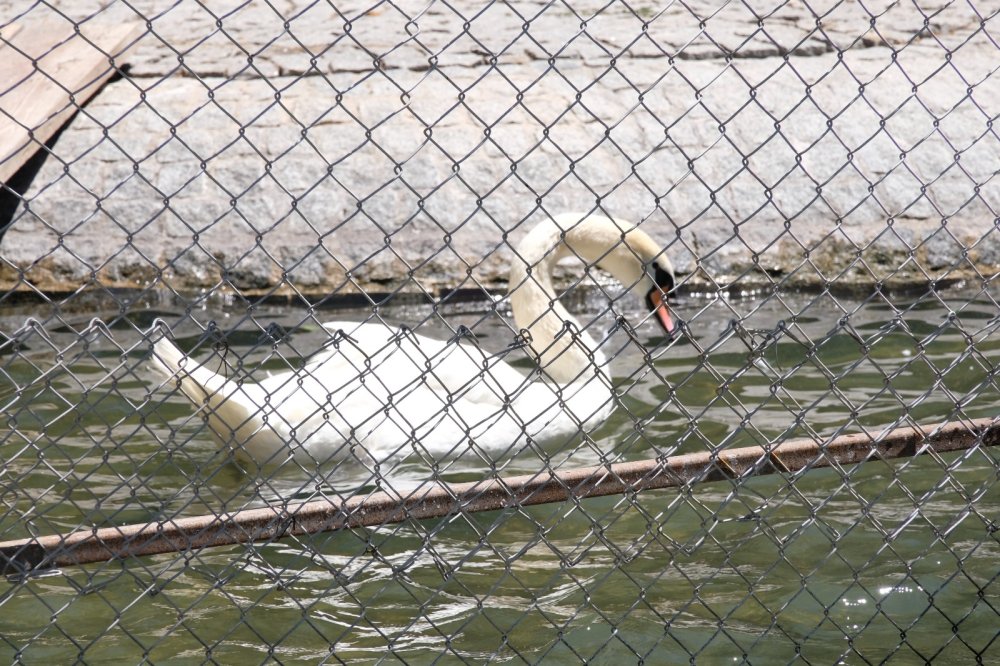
point(399, 359)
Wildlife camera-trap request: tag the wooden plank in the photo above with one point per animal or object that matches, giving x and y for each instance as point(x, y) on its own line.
point(35, 101)
point(8, 31)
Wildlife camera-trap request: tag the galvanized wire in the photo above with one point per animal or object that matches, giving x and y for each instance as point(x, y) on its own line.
point(822, 177)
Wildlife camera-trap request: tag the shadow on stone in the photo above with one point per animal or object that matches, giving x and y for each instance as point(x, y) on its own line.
point(12, 192)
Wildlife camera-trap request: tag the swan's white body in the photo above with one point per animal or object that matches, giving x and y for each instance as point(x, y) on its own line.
point(377, 392)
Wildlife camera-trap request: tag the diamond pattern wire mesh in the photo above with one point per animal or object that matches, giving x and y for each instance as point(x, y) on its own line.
point(821, 175)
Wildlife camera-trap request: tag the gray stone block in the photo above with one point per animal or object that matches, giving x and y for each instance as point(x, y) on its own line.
point(412, 152)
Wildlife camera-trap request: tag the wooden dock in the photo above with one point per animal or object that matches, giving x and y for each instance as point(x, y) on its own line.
point(47, 72)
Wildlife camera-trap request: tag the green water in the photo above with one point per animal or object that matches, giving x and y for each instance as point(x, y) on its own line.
point(882, 560)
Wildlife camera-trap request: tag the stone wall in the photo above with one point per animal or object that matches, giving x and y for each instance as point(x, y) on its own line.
point(326, 148)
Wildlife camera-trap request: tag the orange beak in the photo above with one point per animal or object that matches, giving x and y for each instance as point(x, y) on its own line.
point(659, 306)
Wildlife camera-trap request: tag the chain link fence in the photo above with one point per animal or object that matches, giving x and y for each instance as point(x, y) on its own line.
point(265, 397)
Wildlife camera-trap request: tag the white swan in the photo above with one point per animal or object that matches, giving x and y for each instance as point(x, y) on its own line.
point(377, 393)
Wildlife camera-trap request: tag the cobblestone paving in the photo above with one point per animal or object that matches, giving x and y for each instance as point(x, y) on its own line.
point(326, 147)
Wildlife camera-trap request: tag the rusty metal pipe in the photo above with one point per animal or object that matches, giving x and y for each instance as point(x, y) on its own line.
point(435, 499)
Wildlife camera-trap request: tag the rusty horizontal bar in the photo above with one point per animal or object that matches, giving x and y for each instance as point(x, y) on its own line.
point(434, 500)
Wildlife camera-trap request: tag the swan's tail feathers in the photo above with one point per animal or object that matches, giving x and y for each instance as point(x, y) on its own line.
point(193, 380)
point(219, 399)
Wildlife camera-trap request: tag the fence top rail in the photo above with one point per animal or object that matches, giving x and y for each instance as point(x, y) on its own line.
point(437, 499)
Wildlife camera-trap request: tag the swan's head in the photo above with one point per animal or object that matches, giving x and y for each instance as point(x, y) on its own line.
point(663, 280)
point(638, 262)
point(620, 248)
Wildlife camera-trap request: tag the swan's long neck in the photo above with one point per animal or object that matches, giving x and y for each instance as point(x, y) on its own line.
point(565, 351)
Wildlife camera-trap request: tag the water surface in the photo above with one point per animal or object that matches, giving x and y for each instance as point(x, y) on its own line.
point(859, 563)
